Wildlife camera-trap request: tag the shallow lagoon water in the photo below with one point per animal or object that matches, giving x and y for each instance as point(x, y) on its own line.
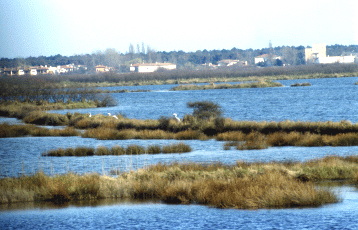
point(330, 99)
point(326, 100)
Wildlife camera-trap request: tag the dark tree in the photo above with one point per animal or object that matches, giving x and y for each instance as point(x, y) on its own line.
point(205, 109)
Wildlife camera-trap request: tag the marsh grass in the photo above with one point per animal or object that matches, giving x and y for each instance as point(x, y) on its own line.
point(42, 118)
point(243, 186)
point(176, 148)
point(7, 130)
point(301, 84)
point(257, 140)
point(118, 150)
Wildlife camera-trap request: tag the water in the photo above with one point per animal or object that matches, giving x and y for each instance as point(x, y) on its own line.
point(326, 100)
point(332, 99)
point(20, 156)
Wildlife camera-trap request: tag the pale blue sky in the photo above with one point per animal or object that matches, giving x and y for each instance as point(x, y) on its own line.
point(68, 27)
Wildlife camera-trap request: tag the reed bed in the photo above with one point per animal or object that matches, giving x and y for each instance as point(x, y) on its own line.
point(242, 186)
point(7, 130)
point(113, 134)
point(257, 140)
point(211, 127)
point(118, 150)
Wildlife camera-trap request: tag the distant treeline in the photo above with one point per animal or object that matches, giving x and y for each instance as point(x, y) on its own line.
point(184, 60)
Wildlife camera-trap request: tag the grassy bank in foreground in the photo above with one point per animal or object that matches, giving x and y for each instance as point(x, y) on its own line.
point(242, 186)
point(258, 84)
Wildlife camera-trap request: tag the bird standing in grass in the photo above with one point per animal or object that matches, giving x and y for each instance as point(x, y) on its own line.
point(90, 115)
point(112, 116)
point(175, 115)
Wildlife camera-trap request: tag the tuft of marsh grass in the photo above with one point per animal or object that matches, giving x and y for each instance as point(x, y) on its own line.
point(154, 149)
point(177, 148)
point(135, 150)
point(301, 84)
point(79, 152)
point(117, 150)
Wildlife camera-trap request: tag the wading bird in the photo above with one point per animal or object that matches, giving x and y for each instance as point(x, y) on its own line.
point(175, 115)
point(112, 116)
point(90, 115)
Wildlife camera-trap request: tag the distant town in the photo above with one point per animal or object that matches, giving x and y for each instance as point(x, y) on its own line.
point(148, 61)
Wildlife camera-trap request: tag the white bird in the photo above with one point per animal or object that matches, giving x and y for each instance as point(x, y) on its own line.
point(112, 116)
point(90, 115)
point(175, 115)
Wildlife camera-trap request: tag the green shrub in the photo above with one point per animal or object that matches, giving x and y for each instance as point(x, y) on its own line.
point(205, 109)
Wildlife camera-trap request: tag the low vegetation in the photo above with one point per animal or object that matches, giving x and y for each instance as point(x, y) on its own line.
point(118, 150)
point(258, 84)
point(243, 185)
point(7, 130)
point(301, 84)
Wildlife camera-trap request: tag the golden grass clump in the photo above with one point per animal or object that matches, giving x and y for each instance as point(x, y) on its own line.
point(231, 136)
point(7, 130)
point(190, 135)
point(43, 118)
point(58, 189)
point(176, 148)
point(243, 186)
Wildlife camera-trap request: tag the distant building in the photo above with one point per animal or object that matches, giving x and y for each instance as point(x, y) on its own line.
point(317, 54)
point(102, 69)
point(317, 51)
point(335, 59)
point(265, 58)
point(151, 67)
point(230, 62)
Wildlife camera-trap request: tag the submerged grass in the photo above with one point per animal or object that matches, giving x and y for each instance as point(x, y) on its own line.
point(243, 186)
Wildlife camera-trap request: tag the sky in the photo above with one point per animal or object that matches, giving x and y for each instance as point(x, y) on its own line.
point(69, 27)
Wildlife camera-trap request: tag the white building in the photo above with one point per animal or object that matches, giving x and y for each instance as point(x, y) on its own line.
point(265, 57)
point(335, 59)
point(151, 67)
point(230, 62)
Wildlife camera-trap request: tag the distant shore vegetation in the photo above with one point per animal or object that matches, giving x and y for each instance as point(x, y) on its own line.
point(259, 84)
